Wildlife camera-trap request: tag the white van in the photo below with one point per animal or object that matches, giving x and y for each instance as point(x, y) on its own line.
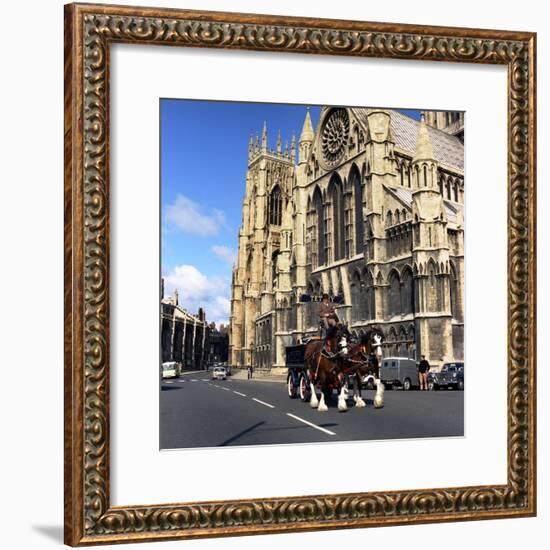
point(170, 369)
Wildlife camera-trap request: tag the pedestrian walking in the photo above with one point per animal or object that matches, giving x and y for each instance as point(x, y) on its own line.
point(423, 369)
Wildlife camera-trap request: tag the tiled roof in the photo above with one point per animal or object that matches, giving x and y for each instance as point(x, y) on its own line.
point(451, 211)
point(404, 194)
point(448, 149)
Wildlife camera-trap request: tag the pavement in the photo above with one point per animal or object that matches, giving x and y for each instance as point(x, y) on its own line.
point(196, 411)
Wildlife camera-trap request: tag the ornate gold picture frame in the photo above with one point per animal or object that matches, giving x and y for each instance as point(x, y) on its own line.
point(90, 30)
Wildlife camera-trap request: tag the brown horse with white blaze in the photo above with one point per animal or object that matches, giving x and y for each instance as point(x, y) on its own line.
point(325, 363)
point(365, 358)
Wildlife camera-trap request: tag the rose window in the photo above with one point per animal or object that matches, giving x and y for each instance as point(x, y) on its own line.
point(335, 135)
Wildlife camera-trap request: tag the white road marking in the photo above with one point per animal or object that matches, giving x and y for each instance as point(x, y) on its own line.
point(226, 389)
point(205, 379)
point(168, 381)
point(310, 424)
point(194, 380)
point(239, 393)
point(263, 403)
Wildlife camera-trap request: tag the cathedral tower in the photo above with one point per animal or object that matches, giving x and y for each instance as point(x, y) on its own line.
point(268, 187)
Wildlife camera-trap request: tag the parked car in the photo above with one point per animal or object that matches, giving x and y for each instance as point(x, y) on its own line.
point(399, 371)
point(171, 369)
point(219, 373)
point(450, 376)
point(368, 382)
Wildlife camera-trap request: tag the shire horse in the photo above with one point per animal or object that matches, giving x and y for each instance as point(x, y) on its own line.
point(329, 362)
point(364, 358)
point(325, 365)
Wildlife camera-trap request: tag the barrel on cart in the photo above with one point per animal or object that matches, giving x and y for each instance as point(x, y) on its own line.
point(297, 381)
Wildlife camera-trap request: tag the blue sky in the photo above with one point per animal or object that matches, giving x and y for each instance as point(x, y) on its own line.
point(204, 147)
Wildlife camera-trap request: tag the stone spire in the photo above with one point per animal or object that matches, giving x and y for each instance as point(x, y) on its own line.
point(293, 148)
point(306, 138)
point(250, 146)
point(424, 150)
point(307, 129)
point(257, 144)
point(279, 142)
point(264, 137)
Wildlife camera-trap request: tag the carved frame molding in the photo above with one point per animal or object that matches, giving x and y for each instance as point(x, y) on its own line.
point(89, 32)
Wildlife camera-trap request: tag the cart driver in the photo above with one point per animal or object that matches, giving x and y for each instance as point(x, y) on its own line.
point(327, 315)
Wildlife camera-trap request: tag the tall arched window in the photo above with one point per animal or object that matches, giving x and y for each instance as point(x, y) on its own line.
point(407, 291)
point(369, 308)
point(275, 206)
point(337, 201)
point(348, 222)
point(319, 214)
point(355, 184)
point(394, 293)
point(454, 292)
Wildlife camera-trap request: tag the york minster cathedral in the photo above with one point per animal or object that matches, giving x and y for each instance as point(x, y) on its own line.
point(368, 208)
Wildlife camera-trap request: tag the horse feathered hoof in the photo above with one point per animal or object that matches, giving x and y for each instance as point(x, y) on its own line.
point(378, 402)
point(360, 403)
point(313, 401)
point(342, 406)
point(322, 407)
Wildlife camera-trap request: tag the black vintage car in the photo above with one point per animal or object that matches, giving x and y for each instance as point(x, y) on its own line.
point(450, 376)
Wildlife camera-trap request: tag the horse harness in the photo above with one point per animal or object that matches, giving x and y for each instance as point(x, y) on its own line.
point(323, 352)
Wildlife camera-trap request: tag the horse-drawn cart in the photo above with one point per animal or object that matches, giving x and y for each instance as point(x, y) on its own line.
point(297, 381)
point(317, 365)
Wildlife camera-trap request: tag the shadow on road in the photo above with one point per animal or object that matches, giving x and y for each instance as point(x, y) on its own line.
point(166, 388)
point(240, 434)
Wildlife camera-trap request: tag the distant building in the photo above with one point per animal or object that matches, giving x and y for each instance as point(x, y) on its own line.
point(184, 336)
point(367, 207)
point(218, 344)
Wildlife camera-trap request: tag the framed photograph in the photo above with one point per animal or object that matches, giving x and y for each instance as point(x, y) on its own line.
point(277, 266)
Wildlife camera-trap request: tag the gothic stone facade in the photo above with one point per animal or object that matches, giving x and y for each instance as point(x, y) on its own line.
point(367, 206)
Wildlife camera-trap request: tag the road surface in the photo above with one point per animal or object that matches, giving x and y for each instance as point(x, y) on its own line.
point(196, 411)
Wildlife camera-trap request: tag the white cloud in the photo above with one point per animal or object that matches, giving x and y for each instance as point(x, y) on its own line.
point(197, 290)
point(225, 253)
point(186, 215)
